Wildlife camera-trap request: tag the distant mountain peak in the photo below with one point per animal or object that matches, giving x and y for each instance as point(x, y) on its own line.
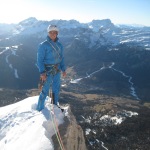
point(29, 20)
point(102, 21)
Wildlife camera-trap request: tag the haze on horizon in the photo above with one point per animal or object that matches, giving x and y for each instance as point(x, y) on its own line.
point(118, 11)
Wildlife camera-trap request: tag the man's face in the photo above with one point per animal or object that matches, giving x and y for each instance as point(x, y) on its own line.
point(53, 35)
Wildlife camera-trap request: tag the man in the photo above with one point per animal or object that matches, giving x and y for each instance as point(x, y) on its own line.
point(50, 61)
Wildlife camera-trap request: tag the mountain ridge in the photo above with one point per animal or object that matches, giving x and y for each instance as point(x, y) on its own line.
point(107, 76)
point(96, 44)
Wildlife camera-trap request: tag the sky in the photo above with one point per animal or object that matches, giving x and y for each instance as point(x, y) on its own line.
point(118, 11)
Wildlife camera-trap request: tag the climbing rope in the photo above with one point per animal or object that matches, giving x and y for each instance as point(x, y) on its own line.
point(55, 124)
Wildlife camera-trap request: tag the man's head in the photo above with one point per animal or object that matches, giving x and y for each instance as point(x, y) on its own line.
point(52, 28)
point(52, 31)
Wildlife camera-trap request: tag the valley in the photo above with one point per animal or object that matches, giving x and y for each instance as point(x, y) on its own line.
point(108, 77)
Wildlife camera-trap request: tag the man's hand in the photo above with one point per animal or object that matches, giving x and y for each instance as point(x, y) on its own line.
point(64, 74)
point(43, 77)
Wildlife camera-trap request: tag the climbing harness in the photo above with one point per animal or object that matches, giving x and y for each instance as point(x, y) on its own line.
point(52, 69)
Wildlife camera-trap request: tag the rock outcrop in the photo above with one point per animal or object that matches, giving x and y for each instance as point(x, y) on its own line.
point(71, 134)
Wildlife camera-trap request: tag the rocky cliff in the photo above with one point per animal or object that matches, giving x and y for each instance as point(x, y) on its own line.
point(71, 133)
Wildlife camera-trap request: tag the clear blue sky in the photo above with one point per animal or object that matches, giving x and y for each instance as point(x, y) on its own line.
point(119, 11)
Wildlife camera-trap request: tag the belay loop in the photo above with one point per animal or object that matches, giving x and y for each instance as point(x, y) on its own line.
point(52, 69)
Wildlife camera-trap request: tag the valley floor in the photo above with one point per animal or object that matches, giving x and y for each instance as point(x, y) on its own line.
point(109, 122)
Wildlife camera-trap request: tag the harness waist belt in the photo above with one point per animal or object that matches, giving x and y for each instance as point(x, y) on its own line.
point(52, 68)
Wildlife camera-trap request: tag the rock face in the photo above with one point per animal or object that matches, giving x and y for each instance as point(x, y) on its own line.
point(71, 134)
point(110, 122)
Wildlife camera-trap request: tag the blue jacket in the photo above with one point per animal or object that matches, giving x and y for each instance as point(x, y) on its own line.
point(50, 53)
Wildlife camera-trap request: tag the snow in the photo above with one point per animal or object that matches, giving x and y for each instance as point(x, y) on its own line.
point(63, 85)
point(88, 76)
point(16, 74)
point(104, 146)
point(111, 66)
point(15, 46)
point(132, 89)
point(118, 118)
point(7, 48)
point(101, 31)
point(147, 49)
point(87, 131)
point(12, 51)
point(24, 128)
point(76, 80)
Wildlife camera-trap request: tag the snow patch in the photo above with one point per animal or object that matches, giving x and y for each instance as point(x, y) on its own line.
point(22, 127)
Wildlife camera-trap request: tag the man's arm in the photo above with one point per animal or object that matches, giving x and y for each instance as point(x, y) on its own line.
point(40, 58)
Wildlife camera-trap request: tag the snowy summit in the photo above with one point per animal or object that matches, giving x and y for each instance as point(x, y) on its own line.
point(24, 128)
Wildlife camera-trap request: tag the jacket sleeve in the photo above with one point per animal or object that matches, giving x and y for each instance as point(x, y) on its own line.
point(40, 58)
point(62, 63)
